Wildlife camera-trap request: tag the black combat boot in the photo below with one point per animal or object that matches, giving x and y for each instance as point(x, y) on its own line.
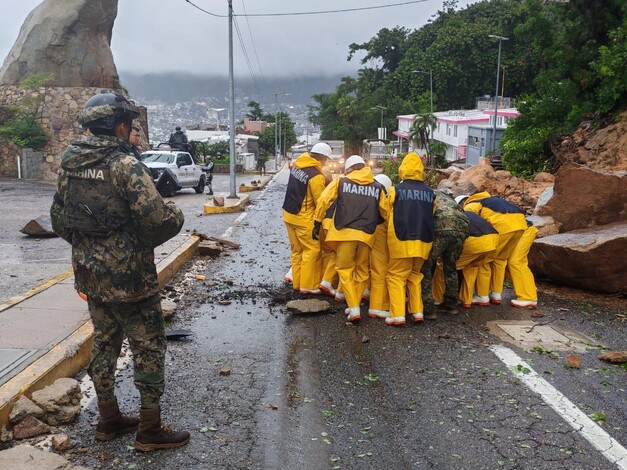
point(151, 435)
point(113, 423)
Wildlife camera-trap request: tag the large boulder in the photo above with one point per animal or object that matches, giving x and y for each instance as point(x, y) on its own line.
point(70, 39)
point(590, 259)
point(584, 197)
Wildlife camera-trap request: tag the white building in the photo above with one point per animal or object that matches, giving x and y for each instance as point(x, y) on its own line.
point(452, 128)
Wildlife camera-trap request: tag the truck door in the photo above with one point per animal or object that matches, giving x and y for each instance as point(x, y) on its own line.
point(184, 163)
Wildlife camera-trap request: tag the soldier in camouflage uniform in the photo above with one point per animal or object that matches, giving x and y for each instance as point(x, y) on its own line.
point(451, 229)
point(108, 208)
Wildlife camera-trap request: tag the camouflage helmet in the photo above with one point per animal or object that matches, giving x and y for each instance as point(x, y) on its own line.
point(104, 111)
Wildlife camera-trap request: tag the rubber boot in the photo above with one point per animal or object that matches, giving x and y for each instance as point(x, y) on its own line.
point(112, 423)
point(151, 435)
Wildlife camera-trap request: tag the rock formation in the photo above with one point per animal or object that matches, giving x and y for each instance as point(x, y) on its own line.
point(69, 39)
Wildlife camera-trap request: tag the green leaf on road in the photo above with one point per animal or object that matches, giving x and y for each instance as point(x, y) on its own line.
point(204, 429)
point(522, 369)
point(597, 416)
point(372, 377)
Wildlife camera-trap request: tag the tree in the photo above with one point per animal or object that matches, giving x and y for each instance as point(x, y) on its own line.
point(421, 130)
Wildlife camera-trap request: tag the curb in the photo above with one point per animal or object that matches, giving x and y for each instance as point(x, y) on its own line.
point(72, 354)
point(230, 205)
point(249, 188)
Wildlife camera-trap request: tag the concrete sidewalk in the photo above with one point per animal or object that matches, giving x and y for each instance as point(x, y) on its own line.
point(46, 332)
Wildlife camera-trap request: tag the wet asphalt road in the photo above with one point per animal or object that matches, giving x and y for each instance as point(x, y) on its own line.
point(260, 388)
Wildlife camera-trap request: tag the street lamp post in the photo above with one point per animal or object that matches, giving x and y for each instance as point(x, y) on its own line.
point(430, 72)
point(382, 108)
point(277, 124)
point(496, 93)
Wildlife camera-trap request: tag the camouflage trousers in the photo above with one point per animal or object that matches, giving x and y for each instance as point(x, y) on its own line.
point(447, 244)
point(142, 323)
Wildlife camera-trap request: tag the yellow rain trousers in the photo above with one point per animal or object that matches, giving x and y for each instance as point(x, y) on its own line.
point(329, 256)
point(305, 252)
point(518, 267)
point(352, 268)
point(406, 256)
point(379, 259)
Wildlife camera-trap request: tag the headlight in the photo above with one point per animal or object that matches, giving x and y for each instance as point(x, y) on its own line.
point(371, 162)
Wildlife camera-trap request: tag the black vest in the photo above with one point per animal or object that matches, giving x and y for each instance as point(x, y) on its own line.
point(479, 226)
point(297, 188)
point(413, 211)
point(500, 205)
point(358, 206)
point(92, 205)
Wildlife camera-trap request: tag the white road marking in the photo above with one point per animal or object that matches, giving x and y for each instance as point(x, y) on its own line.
point(227, 233)
point(241, 217)
point(580, 422)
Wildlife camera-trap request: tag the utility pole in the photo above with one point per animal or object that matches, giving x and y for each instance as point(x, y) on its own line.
point(381, 134)
point(233, 183)
point(496, 93)
point(277, 124)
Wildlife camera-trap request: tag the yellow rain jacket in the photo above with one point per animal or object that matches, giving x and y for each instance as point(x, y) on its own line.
point(361, 177)
point(315, 185)
point(411, 229)
point(504, 216)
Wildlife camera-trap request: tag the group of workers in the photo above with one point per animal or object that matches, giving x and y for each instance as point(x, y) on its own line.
point(404, 247)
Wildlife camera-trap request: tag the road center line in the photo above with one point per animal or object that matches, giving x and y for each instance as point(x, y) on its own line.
point(241, 217)
point(227, 233)
point(580, 422)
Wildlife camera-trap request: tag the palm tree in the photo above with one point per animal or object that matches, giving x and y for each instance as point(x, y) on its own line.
point(421, 132)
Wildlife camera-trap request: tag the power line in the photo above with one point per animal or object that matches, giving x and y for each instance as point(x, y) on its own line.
point(246, 58)
point(252, 40)
point(321, 12)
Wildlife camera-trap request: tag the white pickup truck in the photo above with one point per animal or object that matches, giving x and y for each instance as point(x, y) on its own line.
point(181, 164)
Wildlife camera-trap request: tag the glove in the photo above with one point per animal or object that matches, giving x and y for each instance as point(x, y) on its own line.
point(316, 230)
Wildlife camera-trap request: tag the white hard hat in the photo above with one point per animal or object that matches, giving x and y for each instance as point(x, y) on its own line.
point(353, 160)
point(459, 199)
point(384, 180)
point(322, 149)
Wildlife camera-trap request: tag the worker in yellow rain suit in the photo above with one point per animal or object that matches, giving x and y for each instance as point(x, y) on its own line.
point(479, 250)
point(379, 301)
point(410, 236)
point(522, 277)
point(304, 187)
point(510, 222)
point(361, 203)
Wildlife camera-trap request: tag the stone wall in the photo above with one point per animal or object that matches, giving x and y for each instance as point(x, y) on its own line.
point(59, 109)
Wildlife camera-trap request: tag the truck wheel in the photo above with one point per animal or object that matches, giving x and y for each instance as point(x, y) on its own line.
point(200, 187)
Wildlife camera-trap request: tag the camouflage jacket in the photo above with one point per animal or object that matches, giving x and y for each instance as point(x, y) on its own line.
point(449, 215)
point(123, 219)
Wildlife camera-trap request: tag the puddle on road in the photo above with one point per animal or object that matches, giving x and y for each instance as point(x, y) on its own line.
point(528, 334)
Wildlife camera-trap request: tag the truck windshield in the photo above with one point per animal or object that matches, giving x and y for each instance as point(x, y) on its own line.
point(157, 157)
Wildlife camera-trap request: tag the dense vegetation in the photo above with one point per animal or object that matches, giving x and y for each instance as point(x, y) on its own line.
point(563, 60)
point(21, 123)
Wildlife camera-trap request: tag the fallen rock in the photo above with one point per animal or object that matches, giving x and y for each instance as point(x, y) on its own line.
point(308, 306)
point(29, 427)
point(225, 372)
point(544, 177)
point(61, 442)
point(615, 357)
point(168, 308)
point(218, 201)
point(546, 225)
point(68, 39)
point(588, 259)
point(573, 361)
point(41, 227)
point(60, 401)
point(5, 435)
point(29, 458)
point(23, 408)
point(584, 197)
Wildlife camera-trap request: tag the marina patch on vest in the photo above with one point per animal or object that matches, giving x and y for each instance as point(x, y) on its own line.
point(90, 174)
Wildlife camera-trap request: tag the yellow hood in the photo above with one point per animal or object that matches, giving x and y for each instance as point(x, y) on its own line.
point(411, 168)
point(477, 196)
point(363, 176)
point(306, 161)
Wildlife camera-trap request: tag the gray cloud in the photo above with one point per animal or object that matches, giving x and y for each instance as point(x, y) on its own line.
point(171, 35)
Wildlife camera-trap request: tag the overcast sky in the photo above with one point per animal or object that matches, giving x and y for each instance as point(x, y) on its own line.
point(167, 35)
